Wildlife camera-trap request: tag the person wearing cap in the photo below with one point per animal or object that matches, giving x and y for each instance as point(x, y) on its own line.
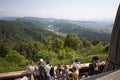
point(41, 62)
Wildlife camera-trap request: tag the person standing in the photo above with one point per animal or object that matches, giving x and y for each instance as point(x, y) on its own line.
point(75, 75)
point(52, 73)
point(42, 73)
point(47, 70)
point(66, 71)
point(92, 66)
point(76, 64)
point(31, 70)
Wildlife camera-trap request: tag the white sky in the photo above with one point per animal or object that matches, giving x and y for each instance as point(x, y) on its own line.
point(65, 9)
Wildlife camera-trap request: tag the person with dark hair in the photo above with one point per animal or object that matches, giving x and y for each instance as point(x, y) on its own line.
point(76, 64)
point(92, 66)
point(42, 73)
point(66, 72)
point(101, 67)
point(59, 72)
point(96, 58)
point(52, 73)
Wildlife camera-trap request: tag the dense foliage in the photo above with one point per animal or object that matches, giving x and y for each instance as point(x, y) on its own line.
point(21, 42)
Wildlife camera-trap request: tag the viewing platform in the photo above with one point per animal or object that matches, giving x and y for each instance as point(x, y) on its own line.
point(18, 74)
point(111, 75)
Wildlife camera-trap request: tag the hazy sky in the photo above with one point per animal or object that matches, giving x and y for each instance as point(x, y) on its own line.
point(66, 9)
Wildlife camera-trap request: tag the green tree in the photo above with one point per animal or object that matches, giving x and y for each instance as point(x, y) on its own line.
point(5, 46)
point(34, 48)
point(3, 50)
point(87, 43)
point(58, 44)
point(95, 42)
point(22, 49)
point(72, 41)
point(46, 55)
point(66, 53)
point(14, 57)
point(48, 42)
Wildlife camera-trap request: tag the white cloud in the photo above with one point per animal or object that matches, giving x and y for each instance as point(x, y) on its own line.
point(2, 10)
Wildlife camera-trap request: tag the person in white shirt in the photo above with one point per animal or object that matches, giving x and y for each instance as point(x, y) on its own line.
point(31, 68)
point(47, 70)
point(76, 64)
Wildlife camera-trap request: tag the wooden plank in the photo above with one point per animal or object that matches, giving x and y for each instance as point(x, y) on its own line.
point(16, 74)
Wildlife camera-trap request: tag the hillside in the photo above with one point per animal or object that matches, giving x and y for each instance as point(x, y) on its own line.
point(25, 40)
point(96, 30)
point(22, 31)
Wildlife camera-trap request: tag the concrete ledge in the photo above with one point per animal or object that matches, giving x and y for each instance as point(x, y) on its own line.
point(112, 76)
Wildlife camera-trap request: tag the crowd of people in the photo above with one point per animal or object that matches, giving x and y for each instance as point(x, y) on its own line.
point(44, 71)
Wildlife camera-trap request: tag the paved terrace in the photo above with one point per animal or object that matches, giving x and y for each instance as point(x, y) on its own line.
point(110, 75)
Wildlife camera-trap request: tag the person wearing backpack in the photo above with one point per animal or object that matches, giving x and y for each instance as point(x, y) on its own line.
point(42, 73)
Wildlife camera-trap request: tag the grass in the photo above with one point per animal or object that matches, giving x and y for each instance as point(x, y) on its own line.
point(10, 69)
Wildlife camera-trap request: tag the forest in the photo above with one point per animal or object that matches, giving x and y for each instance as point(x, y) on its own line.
point(22, 42)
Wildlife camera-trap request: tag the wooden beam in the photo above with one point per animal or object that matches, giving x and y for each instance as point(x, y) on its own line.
point(10, 75)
